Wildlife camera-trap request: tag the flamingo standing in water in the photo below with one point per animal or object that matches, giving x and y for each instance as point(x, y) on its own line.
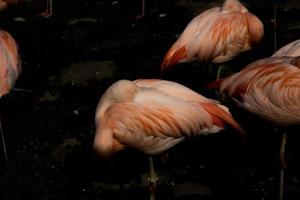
point(216, 35)
point(153, 115)
point(270, 88)
point(292, 49)
point(10, 69)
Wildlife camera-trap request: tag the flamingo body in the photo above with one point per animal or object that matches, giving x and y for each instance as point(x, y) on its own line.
point(154, 115)
point(10, 68)
point(216, 35)
point(268, 87)
point(292, 49)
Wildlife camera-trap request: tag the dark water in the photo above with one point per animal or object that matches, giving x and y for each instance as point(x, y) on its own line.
point(49, 130)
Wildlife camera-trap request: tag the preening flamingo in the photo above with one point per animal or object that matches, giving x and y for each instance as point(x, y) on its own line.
point(216, 35)
point(10, 69)
point(153, 115)
point(270, 88)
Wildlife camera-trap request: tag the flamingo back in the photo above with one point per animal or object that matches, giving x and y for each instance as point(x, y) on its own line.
point(216, 35)
point(9, 62)
point(154, 120)
point(269, 88)
point(291, 49)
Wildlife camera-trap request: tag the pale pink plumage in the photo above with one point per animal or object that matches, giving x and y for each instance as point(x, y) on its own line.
point(292, 49)
point(154, 115)
point(10, 67)
point(216, 35)
point(268, 87)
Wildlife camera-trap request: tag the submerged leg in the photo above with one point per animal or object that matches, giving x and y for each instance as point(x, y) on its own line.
point(283, 164)
point(152, 179)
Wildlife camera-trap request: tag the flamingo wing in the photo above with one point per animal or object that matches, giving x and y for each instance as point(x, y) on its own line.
point(229, 35)
point(184, 49)
point(9, 62)
point(156, 122)
point(291, 49)
point(152, 116)
point(238, 83)
point(217, 111)
point(217, 35)
point(172, 89)
point(270, 89)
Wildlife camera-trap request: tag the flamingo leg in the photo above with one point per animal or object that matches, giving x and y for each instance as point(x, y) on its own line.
point(152, 179)
point(283, 164)
point(284, 136)
point(222, 98)
point(219, 72)
point(143, 8)
point(3, 142)
point(143, 11)
point(48, 12)
point(50, 7)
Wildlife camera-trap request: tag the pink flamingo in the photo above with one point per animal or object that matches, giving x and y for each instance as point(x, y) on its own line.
point(216, 35)
point(10, 69)
point(154, 115)
point(270, 88)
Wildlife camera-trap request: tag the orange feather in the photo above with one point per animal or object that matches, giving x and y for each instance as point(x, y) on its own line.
point(154, 115)
point(268, 87)
point(216, 35)
point(10, 65)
